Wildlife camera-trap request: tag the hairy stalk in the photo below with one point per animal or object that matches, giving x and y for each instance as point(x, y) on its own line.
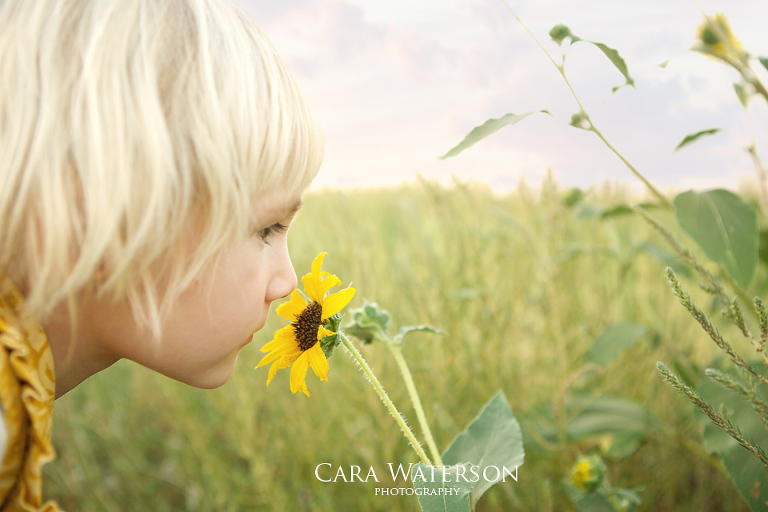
point(409, 384)
point(385, 398)
point(716, 418)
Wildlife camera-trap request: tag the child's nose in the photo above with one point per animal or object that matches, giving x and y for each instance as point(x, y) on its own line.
point(283, 280)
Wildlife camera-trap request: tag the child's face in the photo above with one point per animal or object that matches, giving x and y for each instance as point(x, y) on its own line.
point(214, 318)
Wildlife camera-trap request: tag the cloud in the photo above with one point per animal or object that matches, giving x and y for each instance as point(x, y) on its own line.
point(396, 84)
point(316, 35)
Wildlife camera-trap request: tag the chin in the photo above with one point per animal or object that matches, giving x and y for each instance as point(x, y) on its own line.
point(213, 377)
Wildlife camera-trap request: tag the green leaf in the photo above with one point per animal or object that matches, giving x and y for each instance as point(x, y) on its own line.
point(764, 61)
point(616, 59)
point(746, 471)
point(573, 196)
point(725, 227)
point(589, 211)
point(443, 489)
point(616, 425)
point(744, 91)
point(614, 340)
point(693, 136)
point(492, 439)
point(666, 258)
point(369, 321)
point(617, 211)
point(593, 502)
point(489, 127)
point(400, 336)
point(763, 246)
point(621, 424)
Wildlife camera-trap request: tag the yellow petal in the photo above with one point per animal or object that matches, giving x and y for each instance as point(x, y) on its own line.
point(317, 283)
point(292, 309)
point(322, 332)
point(288, 351)
point(318, 262)
point(299, 373)
point(285, 334)
point(336, 302)
point(318, 361)
point(316, 288)
point(313, 287)
point(328, 283)
point(277, 365)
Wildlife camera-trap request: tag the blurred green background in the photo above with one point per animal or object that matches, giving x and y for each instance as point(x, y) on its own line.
point(523, 283)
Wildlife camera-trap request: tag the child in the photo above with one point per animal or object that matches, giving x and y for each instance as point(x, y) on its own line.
point(152, 156)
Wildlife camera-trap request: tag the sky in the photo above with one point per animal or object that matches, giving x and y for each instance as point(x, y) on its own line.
point(396, 84)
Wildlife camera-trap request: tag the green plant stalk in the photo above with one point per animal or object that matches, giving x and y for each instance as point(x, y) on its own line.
point(726, 380)
point(411, 386)
point(716, 418)
point(561, 69)
point(750, 76)
point(664, 201)
point(738, 319)
point(759, 87)
point(702, 319)
point(690, 259)
point(745, 299)
point(762, 318)
point(686, 255)
point(385, 398)
point(760, 173)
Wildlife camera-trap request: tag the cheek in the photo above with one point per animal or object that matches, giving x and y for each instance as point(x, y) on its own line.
point(241, 287)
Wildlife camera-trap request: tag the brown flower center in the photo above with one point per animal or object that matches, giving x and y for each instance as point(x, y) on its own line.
point(307, 325)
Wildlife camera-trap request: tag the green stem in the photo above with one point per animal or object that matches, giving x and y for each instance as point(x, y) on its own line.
point(561, 69)
point(409, 384)
point(385, 398)
point(664, 201)
point(750, 76)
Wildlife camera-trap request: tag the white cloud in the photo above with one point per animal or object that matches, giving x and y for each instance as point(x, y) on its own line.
point(398, 83)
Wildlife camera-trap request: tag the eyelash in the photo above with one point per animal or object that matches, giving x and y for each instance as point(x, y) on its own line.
point(268, 231)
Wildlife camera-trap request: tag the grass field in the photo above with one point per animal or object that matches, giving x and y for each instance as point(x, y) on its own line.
point(522, 283)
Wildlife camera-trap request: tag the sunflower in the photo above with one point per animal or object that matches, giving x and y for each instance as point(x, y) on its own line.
point(297, 345)
point(717, 40)
point(588, 473)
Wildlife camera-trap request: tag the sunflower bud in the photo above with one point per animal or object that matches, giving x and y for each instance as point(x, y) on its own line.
point(369, 322)
point(715, 38)
point(588, 473)
point(560, 32)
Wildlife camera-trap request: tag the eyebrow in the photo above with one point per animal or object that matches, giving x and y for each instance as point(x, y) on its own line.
point(278, 214)
point(296, 208)
point(290, 212)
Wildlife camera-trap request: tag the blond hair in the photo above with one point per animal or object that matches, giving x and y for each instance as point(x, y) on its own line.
point(121, 120)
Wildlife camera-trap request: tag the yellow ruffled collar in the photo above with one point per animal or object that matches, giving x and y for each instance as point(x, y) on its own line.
point(27, 392)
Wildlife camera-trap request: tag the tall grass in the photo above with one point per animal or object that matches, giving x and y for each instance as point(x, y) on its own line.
point(523, 286)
